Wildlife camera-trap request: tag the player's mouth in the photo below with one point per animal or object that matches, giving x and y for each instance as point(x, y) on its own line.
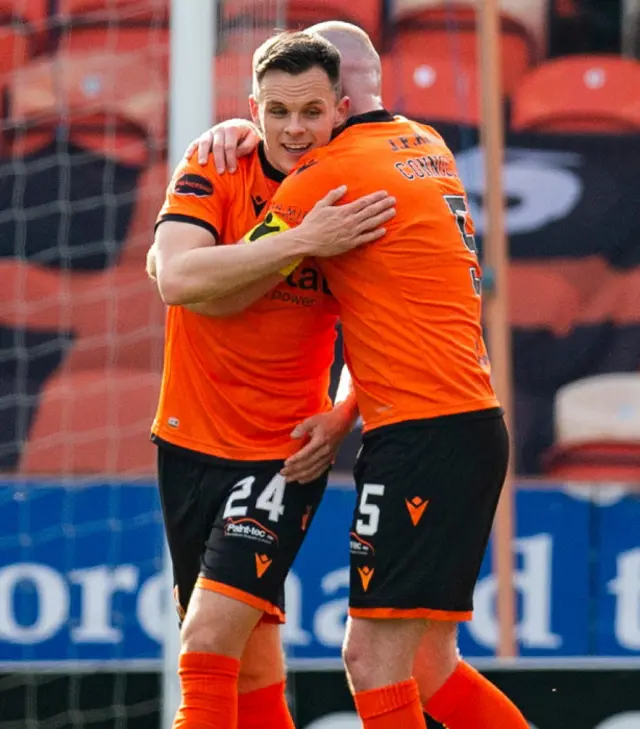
point(297, 150)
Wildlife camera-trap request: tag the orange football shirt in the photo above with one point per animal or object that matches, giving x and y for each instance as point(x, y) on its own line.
point(234, 387)
point(409, 303)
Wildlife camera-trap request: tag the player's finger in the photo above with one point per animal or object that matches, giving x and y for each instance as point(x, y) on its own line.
point(363, 202)
point(218, 149)
point(369, 236)
point(204, 147)
point(309, 472)
point(332, 197)
point(190, 150)
point(375, 208)
point(231, 150)
point(376, 221)
point(317, 447)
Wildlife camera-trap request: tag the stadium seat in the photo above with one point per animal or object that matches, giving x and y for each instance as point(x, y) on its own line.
point(579, 94)
point(365, 13)
point(236, 14)
point(597, 423)
point(115, 319)
point(33, 11)
point(113, 104)
point(429, 87)
point(94, 421)
point(526, 18)
point(452, 34)
point(150, 192)
point(115, 11)
point(14, 50)
point(232, 70)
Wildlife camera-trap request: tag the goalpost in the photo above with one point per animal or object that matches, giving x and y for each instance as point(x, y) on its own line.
point(193, 35)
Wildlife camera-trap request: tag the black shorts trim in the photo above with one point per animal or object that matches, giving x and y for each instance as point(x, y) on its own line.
point(210, 459)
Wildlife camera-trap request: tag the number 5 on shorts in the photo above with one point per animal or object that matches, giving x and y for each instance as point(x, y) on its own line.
point(369, 510)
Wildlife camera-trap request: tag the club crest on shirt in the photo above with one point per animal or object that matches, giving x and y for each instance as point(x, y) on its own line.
point(196, 185)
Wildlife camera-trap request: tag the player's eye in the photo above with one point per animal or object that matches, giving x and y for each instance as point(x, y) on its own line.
point(313, 113)
point(278, 111)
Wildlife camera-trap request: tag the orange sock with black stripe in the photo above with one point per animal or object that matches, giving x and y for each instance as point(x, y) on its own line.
point(468, 699)
point(209, 692)
point(265, 708)
point(391, 707)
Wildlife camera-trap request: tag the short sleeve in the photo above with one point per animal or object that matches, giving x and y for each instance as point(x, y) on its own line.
point(196, 195)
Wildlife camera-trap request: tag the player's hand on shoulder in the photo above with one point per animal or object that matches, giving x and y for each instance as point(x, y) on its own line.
point(321, 436)
point(227, 141)
point(331, 229)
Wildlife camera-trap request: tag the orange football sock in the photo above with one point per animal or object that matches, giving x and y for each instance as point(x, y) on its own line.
point(209, 692)
point(469, 701)
point(265, 708)
point(391, 707)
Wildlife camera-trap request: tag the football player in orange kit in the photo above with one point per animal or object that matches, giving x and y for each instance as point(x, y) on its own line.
point(225, 417)
point(435, 447)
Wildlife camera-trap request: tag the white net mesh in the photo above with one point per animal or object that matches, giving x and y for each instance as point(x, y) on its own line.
point(83, 169)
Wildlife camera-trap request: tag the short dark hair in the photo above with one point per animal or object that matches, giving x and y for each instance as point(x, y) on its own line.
point(295, 52)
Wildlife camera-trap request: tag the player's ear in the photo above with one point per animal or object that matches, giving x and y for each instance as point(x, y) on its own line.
point(255, 111)
point(342, 110)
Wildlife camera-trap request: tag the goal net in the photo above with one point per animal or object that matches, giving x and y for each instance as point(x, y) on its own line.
point(83, 169)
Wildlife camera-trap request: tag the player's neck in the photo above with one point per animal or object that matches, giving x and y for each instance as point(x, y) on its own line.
point(365, 104)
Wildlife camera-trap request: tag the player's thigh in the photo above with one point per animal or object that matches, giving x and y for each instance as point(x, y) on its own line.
point(262, 663)
point(427, 494)
point(187, 517)
point(257, 534)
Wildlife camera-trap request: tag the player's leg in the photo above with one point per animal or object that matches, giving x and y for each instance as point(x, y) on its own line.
point(180, 477)
point(454, 693)
point(430, 491)
point(378, 656)
point(254, 540)
point(262, 702)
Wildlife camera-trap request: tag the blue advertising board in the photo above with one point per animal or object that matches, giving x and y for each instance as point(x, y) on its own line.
point(81, 577)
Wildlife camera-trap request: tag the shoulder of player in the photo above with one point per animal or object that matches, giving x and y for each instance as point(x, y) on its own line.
point(205, 179)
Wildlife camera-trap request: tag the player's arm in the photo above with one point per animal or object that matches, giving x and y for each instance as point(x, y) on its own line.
point(191, 270)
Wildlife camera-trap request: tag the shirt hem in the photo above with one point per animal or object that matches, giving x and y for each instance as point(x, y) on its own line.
point(489, 408)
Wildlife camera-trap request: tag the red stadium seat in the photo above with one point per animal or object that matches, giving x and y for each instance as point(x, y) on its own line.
point(114, 103)
point(115, 11)
point(596, 462)
point(365, 13)
point(249, 13)
point(14, 49)
point(526, 18)
point(150, 194)
point(34, 12)
point(429, 87)
point(597, 423)
point(233, 82)
point(580, 94)
point(116, 318)
point(94, 422)
point(451, 32)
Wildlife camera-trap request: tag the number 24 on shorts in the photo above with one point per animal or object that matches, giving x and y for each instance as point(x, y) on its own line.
point(270, 499)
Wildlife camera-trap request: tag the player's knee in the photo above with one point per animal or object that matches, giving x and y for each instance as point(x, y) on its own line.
point(360, 658)
point(217, 624)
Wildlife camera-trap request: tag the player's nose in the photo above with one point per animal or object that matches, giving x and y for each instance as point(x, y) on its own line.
point(295, 128)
